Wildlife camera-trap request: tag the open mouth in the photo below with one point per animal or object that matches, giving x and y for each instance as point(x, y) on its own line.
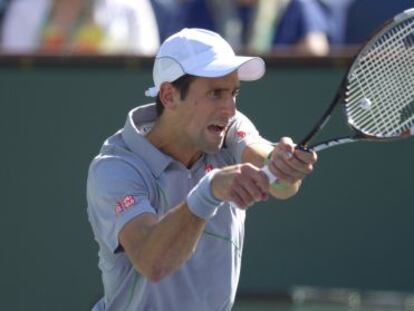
point(215, 128)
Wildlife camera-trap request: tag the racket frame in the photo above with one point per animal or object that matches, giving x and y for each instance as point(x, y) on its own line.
point(339, 99)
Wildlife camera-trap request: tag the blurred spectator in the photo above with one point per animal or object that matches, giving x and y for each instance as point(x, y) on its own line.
point(246, 12)
point(267, 16)
point(127, 26)
point(81, 26)
point(226, 21)
point(365, 16)
point(173, 15)
point(64, 15)
point(3, 7)
point(336, 12)
point(310, 26)
point(227, 17)
point(102, 26)
point(22, 25)
point(137, 26)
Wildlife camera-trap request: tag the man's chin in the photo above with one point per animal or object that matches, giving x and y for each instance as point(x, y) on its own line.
point(213, 148)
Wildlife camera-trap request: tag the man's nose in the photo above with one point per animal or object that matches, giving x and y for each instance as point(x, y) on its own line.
point(230, 106)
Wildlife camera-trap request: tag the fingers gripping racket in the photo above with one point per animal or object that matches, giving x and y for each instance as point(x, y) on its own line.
point(377, 92)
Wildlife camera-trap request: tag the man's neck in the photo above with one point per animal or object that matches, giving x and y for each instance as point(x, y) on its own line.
point(165, 138)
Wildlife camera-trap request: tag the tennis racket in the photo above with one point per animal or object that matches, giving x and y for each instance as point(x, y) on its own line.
point(377, 92)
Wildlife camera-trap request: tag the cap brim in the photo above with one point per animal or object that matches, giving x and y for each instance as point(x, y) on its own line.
point(248, 68)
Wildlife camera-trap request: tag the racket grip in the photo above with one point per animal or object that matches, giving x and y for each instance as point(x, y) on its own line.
point(272, 178)
point(303, 148)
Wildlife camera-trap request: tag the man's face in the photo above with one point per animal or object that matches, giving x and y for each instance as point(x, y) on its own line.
point(206, 111)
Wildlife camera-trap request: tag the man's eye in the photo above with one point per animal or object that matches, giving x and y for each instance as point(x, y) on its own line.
point(215, 94)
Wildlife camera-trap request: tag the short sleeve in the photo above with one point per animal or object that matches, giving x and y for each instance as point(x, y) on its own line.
point(241, 134)
point(116, 194)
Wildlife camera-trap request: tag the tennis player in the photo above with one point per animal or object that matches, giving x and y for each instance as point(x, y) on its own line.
point(167, 194)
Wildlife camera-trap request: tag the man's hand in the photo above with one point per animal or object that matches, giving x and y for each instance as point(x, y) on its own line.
point(243, 184)
point(290, 165)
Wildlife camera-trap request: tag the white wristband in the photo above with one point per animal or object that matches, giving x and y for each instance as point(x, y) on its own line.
point(201, 200)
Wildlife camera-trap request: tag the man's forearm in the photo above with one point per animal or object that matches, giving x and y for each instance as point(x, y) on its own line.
point(168, 243)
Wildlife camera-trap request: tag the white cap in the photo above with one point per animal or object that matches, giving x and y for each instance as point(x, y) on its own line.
point(201, 53)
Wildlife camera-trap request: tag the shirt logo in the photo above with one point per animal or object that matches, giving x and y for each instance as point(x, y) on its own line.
point(241, 134)
point(208, 167)
point(124, 204)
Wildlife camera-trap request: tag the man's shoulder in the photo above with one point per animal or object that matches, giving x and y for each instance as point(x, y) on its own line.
point(115, 158)
point(118, 162)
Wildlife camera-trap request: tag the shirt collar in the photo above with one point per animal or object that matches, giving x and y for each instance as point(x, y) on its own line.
point(136, 141)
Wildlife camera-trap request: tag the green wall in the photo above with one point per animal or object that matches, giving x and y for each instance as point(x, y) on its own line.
point(351, 225)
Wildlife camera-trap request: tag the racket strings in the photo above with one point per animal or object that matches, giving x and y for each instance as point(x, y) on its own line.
point(389, 83)
point(386, 90)
point(380, 90)
point(398, 84)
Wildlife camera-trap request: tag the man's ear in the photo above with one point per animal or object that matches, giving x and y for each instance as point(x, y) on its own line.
point(168, 94)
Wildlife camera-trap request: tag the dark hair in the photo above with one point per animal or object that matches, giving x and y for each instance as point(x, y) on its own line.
point(182, 84)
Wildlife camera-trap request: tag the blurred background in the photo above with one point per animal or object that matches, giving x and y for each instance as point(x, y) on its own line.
point(70, 70)
point(136, 27)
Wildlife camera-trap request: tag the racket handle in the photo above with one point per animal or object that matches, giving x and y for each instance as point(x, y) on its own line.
point(272, 178)
point(303, 148)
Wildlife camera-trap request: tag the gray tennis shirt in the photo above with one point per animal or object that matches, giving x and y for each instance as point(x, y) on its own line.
point(130, 177)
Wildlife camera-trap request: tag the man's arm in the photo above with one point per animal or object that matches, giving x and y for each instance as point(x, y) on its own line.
point(159, 247)
point(290, 165)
